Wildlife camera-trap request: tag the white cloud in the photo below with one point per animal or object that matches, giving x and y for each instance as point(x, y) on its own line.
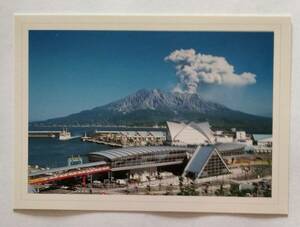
point(194, 69)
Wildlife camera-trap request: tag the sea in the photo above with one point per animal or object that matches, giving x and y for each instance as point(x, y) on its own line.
point(52, 152)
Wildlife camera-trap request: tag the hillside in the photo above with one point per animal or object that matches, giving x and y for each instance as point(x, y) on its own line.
point(155, 107)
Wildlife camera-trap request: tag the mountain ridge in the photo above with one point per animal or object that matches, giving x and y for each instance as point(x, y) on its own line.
point(154, 107)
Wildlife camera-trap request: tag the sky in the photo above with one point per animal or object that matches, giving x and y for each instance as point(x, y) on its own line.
point(71, 71)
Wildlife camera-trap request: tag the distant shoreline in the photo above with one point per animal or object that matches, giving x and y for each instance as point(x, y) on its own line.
point(91, 126)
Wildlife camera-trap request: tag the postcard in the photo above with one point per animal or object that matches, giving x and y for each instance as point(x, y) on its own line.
point(152, 113)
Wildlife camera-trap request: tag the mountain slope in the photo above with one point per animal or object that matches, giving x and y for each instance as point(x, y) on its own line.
point(150, 107)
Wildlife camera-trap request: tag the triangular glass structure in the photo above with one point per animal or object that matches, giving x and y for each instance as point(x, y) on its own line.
point(214, 167)
point(206, 162)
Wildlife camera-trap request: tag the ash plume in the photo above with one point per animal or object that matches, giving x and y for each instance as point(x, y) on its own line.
point(194, 69)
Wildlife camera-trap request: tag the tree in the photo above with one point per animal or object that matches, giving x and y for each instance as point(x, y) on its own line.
point(220, 191)
point(234, 190)
point(188, 189)
point(180, 183)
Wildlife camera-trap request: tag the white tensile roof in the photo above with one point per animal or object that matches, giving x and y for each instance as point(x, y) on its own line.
point(204, 128)
point(192, 134)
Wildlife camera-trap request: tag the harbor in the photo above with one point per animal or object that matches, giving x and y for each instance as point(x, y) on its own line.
point(50, 152)
point(114, 161)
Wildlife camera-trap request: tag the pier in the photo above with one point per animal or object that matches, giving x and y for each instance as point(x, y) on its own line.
point(112, 144)
point(61, 135)
point(40, 134)
point(127, 138)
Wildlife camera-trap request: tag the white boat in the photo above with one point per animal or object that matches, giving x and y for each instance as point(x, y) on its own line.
point(65, 135)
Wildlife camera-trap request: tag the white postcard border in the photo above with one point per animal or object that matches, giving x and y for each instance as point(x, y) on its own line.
point(280, 25)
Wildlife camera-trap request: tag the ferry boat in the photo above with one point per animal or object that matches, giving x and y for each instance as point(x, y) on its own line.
point(65, 135)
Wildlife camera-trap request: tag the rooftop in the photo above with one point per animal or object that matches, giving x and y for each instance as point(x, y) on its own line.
point(223, 147)
point(199, 159)
point(113, 154)
point(258, 137)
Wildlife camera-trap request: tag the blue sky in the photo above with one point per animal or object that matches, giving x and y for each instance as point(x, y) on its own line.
point(70, 71)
